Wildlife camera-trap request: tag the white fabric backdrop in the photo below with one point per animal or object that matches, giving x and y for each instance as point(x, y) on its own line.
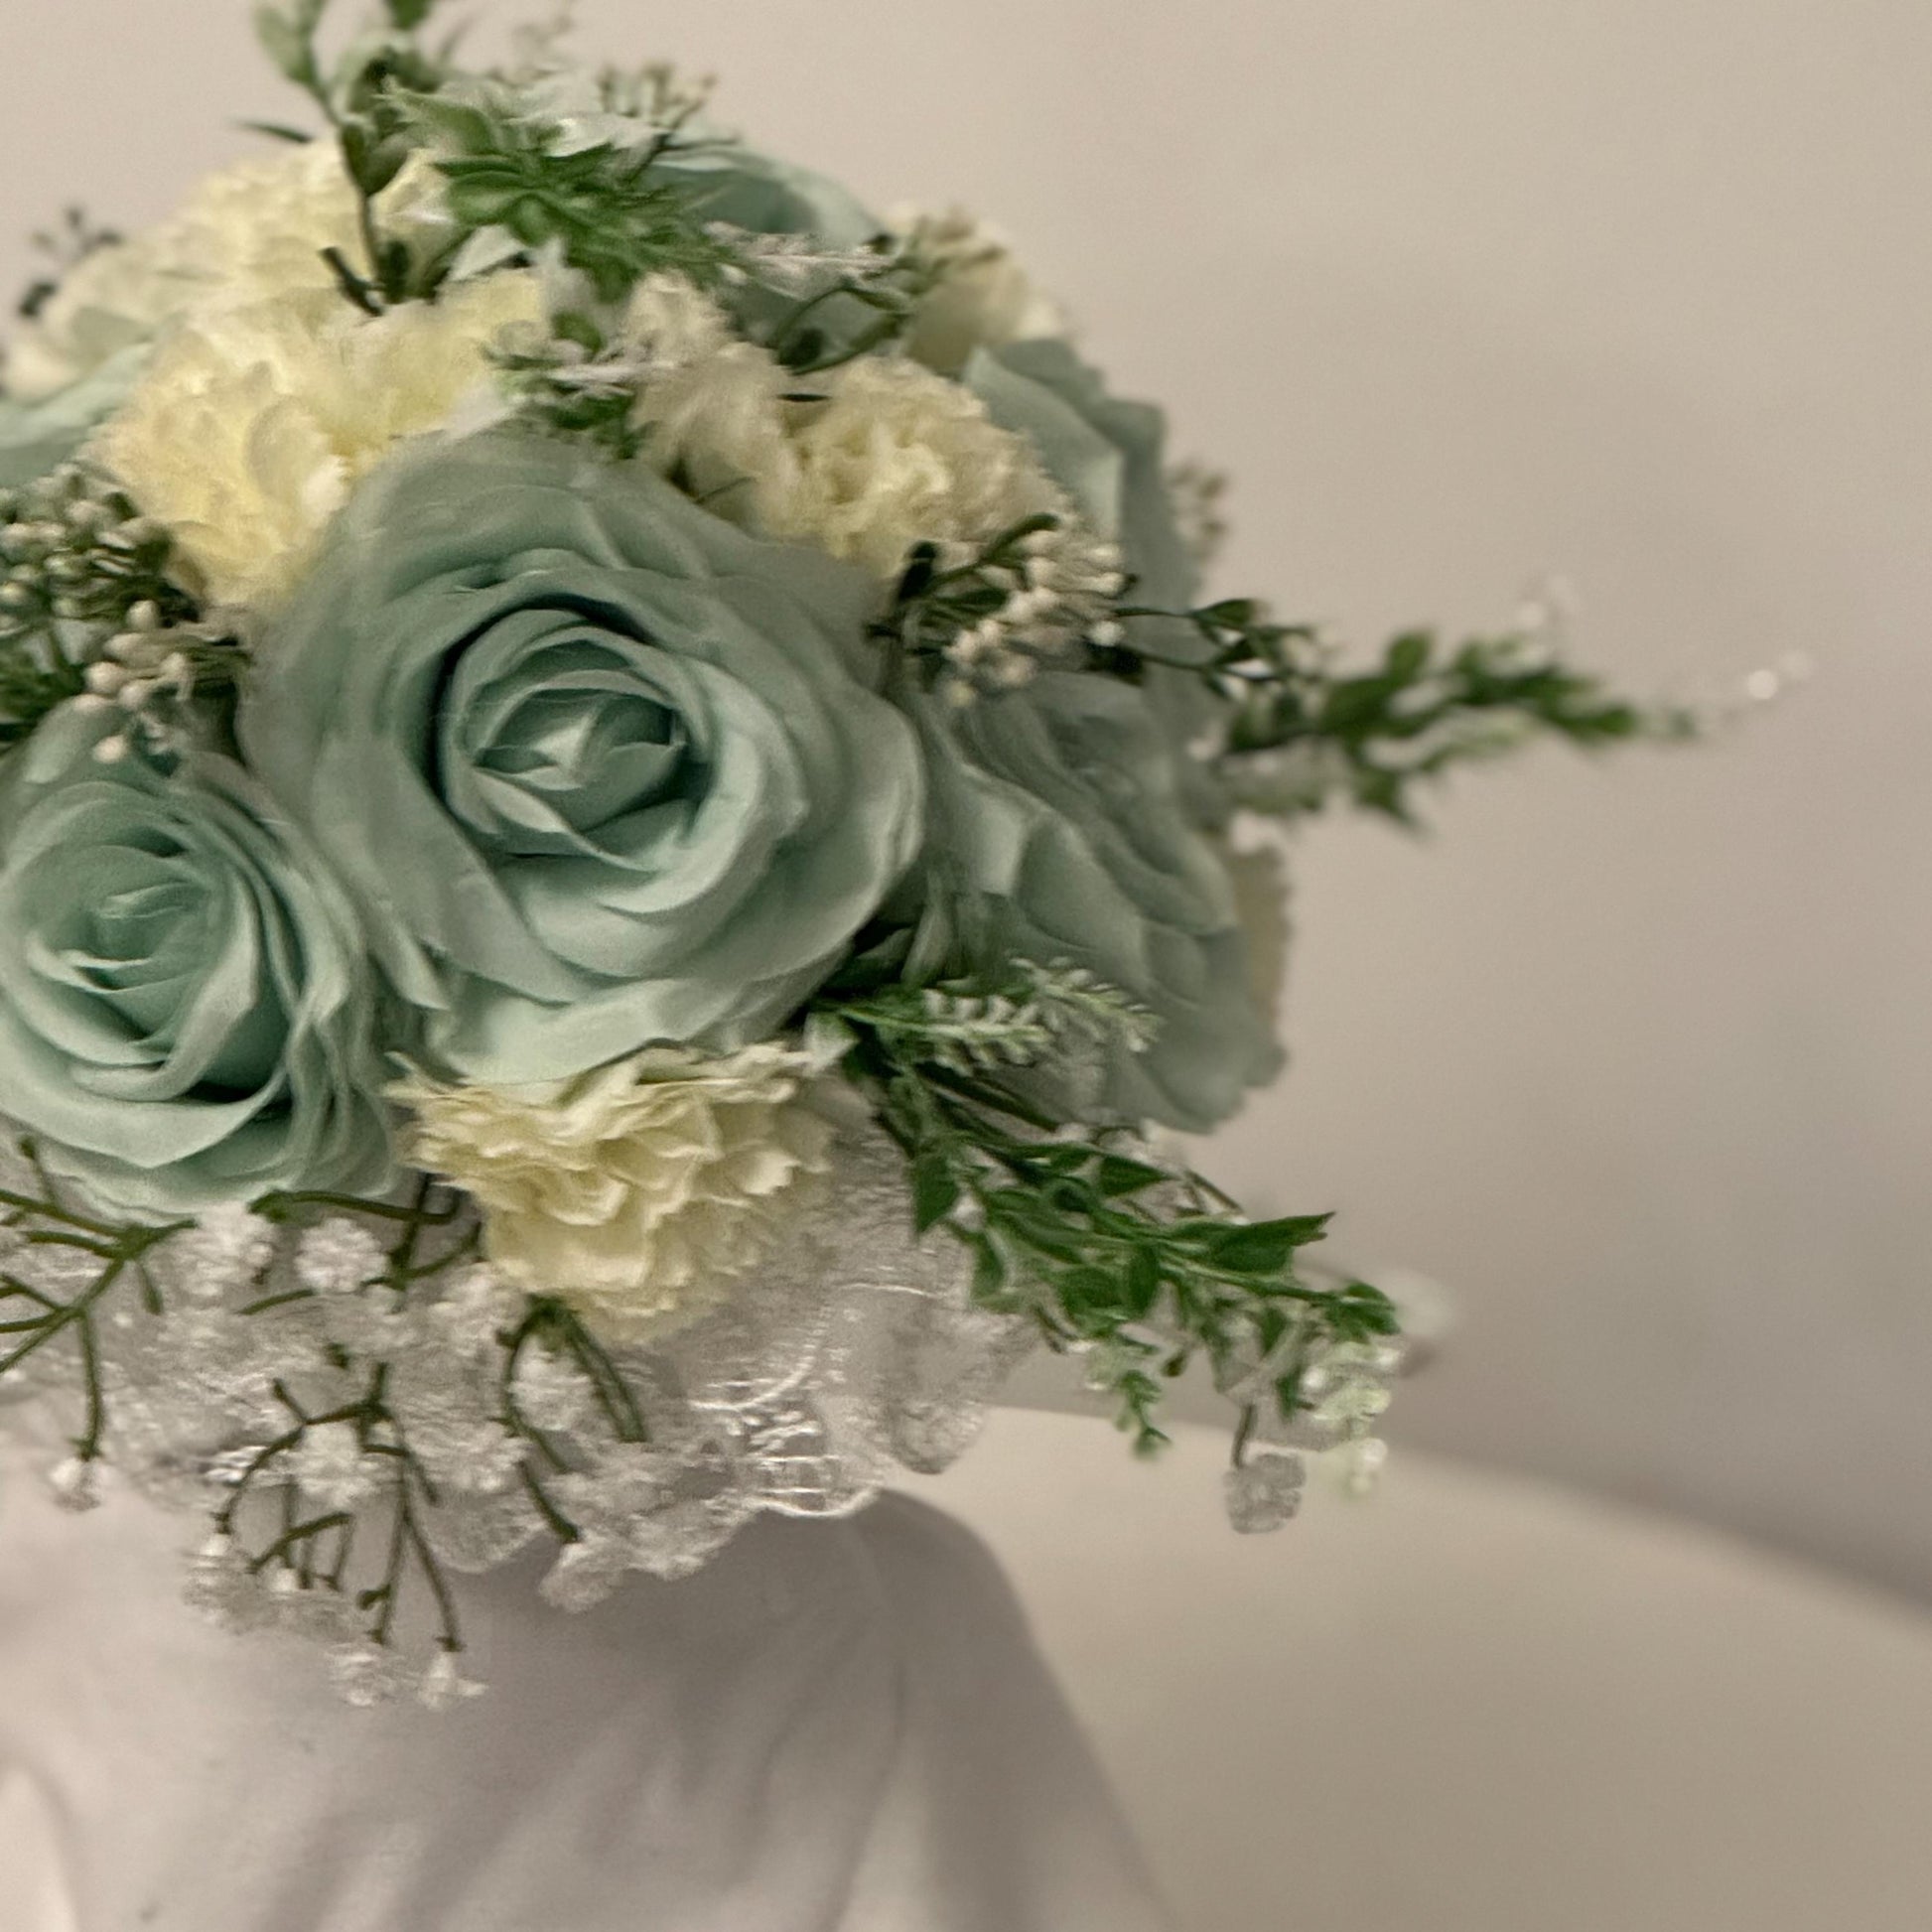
point(1638, 1057)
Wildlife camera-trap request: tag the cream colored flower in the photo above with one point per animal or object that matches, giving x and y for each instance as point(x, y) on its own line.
point(251, 425)
point(252, 233)
point(983, 298)
point(641, 1191)
point(712, 404)
point(897, 456)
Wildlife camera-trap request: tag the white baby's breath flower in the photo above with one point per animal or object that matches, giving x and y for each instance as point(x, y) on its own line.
point(228, 1247)
point(76, 1483)
point(248, 234)
point(982, 298)
point(640, 1191)
point(338, 1256)
point(896, 455)
point(551, 1390)
point(474, 1307)
point(331, 1466)
point(251, 427)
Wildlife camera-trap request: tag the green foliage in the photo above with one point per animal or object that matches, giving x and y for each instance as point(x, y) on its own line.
point(1299, 730)
point(578, 383)
point(612, 213)
point(288, 37)
point(110, 1256)
point(1039, 1012)
point(361, 97)
point(1140, 1266)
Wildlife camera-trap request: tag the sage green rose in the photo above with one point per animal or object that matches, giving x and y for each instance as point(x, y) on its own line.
point(1059, 833)
point(1111, 457)
point(603, 771)
point(768, 196)
point(186, 1012)
point(38, 436)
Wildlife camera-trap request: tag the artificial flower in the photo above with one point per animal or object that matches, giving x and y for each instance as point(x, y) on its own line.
point(1059, 830)
point(251, 425)
point(602, 770)
point(185, 1018)
point(1110, 456)
point(639, 1192)
point(252, 233)
point(897, 456)
point(981, 299)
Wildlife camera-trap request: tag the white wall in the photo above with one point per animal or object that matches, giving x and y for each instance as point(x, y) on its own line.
point(1464, 291)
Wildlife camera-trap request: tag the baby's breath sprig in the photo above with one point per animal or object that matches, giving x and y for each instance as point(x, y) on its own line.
point(1139, 1266)
point(1039, 592)
point(91, 612)
point(109, 1256)
point(886, 283)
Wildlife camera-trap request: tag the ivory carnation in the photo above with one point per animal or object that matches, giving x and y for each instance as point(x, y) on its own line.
point(713, 407)
point(982, 299)
point(251, 232)
point(253, 424)
point(897, 456)
point(638, 1193)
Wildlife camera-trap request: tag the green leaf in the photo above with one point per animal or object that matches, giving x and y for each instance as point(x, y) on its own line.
point(935, 1190)
point(1231, 614)
point(410, 14)
point(278, 131)
point(1263, 1247)
point(1093, 1298)
point(989, 1269)
point(286, 44)
point(1143, 1281)
point(1120, 1177)
point(372, 163)
point(1408, 657)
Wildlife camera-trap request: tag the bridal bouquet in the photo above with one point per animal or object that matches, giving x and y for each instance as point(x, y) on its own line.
point(620, 821)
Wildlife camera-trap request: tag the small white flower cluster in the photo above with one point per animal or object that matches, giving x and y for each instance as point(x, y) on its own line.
point(801, 265)
point(1060, 594)
point(74, 549)
point(569, 111)
point(149, 672)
